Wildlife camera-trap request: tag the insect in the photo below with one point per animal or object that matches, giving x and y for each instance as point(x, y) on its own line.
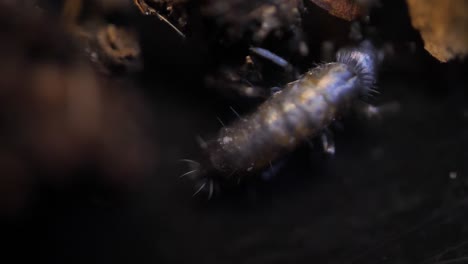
point(301, 110)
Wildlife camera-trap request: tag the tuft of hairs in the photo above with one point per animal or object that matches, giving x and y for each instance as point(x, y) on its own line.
point(363, 62)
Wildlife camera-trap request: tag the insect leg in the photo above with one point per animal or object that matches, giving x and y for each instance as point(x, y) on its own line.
point(370, 112)
point(328, 143)
point(276, 59)
point(275, 89)
point(272, 170)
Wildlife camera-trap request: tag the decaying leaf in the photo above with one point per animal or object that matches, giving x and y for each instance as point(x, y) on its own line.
point(344, 9)
point(443, 26)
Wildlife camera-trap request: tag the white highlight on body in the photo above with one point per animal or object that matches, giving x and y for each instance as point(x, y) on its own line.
point(227, 140)
point(453, 175)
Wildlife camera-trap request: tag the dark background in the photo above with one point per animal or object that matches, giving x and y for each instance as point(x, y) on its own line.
point(385, 197)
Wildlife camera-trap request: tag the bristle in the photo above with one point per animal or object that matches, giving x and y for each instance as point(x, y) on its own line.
point(363, 61)
point(301, 110)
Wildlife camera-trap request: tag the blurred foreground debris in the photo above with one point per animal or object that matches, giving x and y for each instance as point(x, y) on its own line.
point(244, 80)
point(60, 122)
point(443, 26)
point(112, 48)
point(257, 20)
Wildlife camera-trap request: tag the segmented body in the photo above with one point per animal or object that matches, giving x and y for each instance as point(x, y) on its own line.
point(299, 111)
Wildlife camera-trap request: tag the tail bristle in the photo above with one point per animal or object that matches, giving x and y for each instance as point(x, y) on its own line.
point(194, 168)
point(363, 61)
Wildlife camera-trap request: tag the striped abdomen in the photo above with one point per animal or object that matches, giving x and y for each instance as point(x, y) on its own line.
point(300, 111)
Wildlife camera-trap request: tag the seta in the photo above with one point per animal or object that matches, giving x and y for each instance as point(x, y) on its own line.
point(301, 110)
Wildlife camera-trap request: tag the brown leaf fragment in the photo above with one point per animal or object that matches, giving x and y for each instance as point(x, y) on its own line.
point(119, 46)
point(344, 9)
point(443, 26)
